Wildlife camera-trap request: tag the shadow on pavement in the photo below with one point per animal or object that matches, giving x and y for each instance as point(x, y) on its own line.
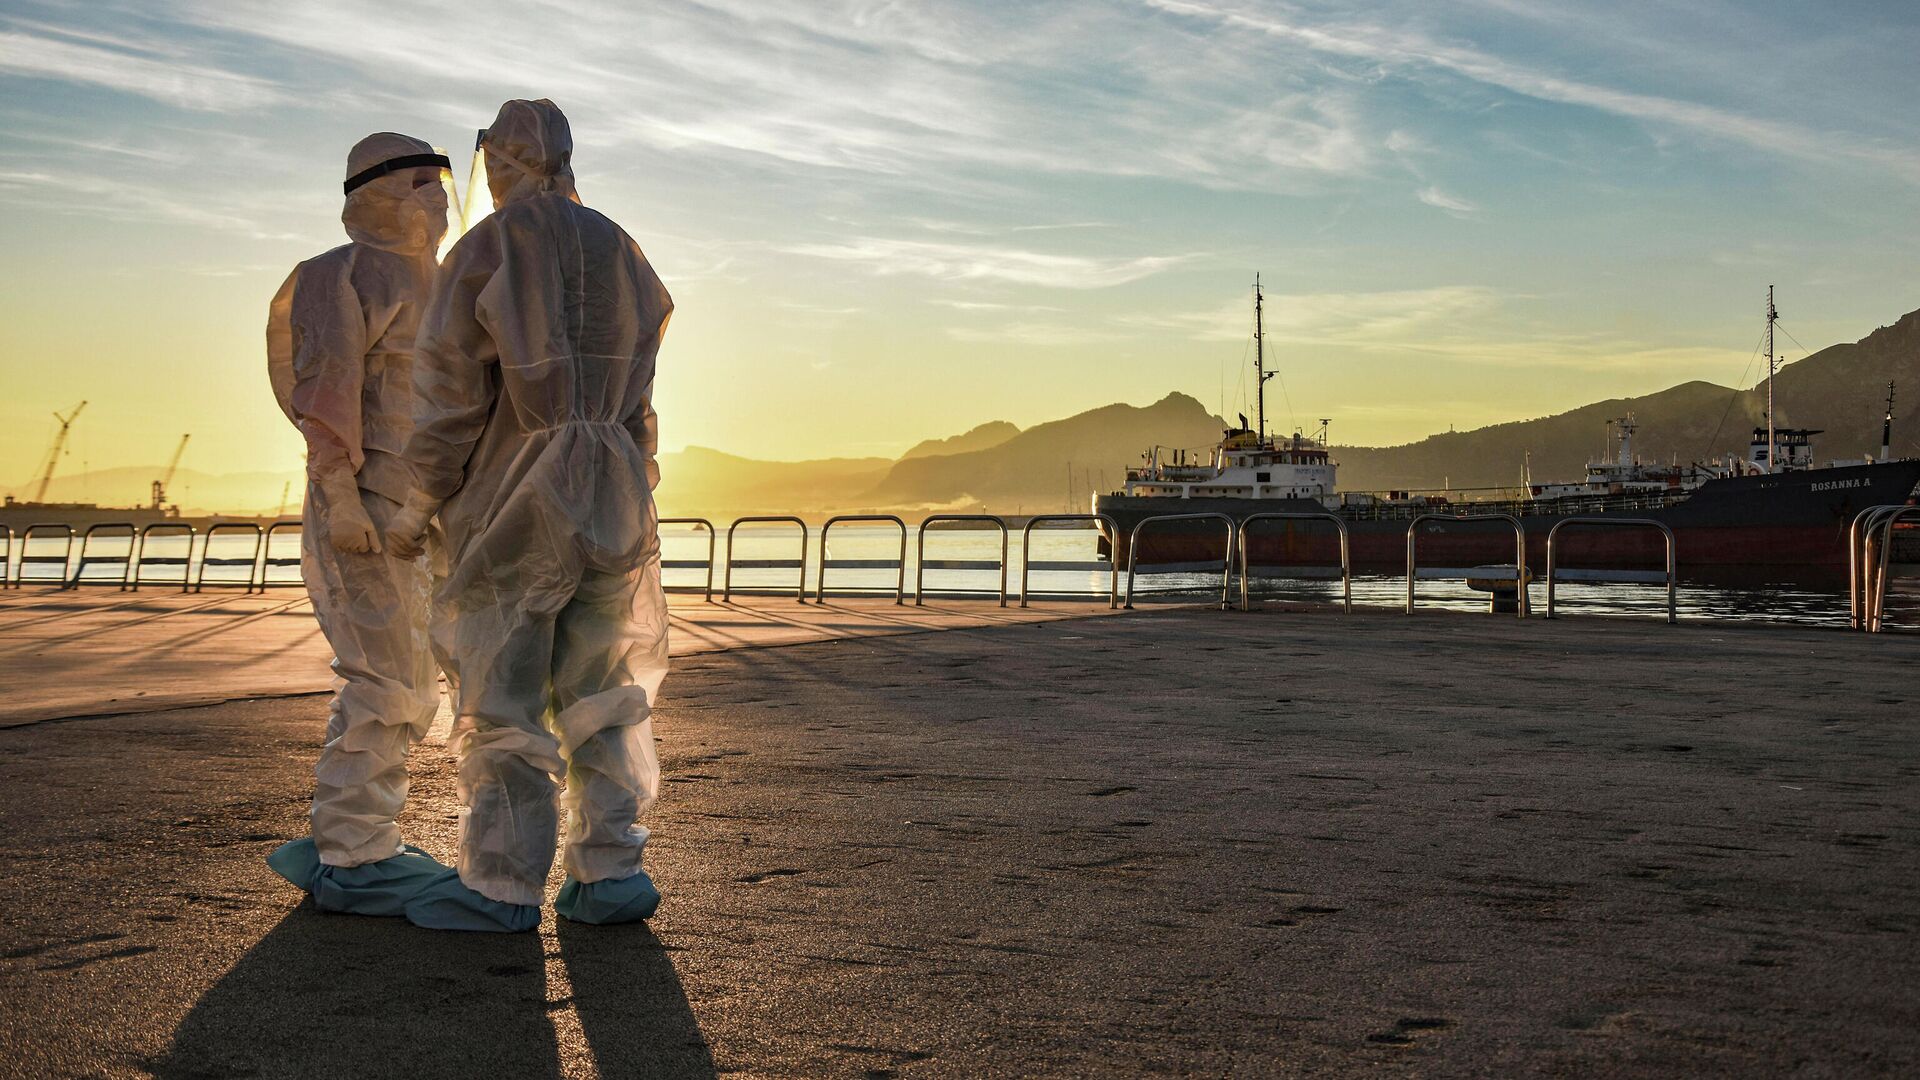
point(340, 995)
point(632, 1009)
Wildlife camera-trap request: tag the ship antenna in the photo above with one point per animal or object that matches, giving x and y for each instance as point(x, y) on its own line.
point(1773, 316)
point(1260, 372)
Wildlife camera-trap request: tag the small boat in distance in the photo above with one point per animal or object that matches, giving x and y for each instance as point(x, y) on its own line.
point(1770, 516)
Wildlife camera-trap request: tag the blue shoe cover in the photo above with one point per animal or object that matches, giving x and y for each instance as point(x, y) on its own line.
point(376, 888)
point(447, 904)
point(606, 902)
point(298, 861)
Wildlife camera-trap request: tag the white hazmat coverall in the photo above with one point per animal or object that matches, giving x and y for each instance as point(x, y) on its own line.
point(340, 337)
point(534, 441)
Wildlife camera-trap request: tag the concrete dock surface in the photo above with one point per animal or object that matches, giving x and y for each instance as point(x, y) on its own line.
point(1176, 841)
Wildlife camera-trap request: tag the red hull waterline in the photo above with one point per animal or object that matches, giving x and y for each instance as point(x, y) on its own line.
point(1804, 554)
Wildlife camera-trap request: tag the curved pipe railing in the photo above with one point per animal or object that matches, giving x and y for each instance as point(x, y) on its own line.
point(251, 562)
point(1860, 577)
point(1519, 554)
point(120, 530)
point(920, 562)
point(1876, 618)
point(1226, 561)
point(1246, 555)
point(691, 564)
point(898, 565)
point(1028, 564)
point(142, 560)
point(268, 560)
point(1671, 577)
point(28, 558)
point(799, 566)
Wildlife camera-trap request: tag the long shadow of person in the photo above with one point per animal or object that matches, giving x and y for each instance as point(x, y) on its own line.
point(633, 1011)
point(340, 995)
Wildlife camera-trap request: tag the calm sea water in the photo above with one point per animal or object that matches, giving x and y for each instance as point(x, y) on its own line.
point(1781, 603)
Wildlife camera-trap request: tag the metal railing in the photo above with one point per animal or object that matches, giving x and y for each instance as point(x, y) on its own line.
point(268, 560)
point(1518, 571)
point(28, 558)
point(1111, 530)
point(1874, 617)
point(1862, 577)
point(1248, 570)
point(898, 565)
point(799, 565)
point(691, 564)
point(1670, 576)
point(6, 558)
point(921, 564)
point(142, 560)
point(122, 530)
point(1226, 560)
point(207, 557)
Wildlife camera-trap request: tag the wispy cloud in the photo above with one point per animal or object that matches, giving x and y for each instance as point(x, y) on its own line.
point(965, 262)
point(1453, 204)
point(1400, 48)
point(165, 79)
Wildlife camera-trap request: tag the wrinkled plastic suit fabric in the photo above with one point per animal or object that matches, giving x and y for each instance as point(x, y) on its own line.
point(535, 435)
point(376, 888)
point(608, 902)
point(340, 336)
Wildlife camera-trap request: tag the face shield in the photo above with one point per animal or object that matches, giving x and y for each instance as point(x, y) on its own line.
point(398, 190)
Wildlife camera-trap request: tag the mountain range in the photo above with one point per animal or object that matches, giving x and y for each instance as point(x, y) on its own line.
point(998, 467)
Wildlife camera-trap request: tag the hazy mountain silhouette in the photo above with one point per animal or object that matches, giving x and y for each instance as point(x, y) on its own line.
point(1051, 466)
point(1055, 466)
point(985, 437)
point(1841, 389)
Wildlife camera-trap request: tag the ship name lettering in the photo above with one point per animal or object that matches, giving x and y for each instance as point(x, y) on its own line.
point(1834, 485)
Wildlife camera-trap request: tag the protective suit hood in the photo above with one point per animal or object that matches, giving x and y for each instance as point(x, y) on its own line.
point(529, 152)
point(388, 212)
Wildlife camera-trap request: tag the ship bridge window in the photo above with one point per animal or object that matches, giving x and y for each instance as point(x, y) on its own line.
point(1263, 477)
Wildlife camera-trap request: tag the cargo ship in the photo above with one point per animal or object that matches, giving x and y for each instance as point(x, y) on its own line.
point(1772, 516)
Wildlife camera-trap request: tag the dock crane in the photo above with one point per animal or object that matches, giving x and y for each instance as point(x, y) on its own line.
point(160, 485)
point(53, 456)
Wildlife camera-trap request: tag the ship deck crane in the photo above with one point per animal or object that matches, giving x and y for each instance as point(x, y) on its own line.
point(160, 485)
point(53, 455)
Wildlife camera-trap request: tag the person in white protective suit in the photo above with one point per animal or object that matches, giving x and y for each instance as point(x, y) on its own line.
point(534, 439)
point(340, 355)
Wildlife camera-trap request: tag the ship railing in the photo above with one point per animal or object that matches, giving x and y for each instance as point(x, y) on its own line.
point(921, 564)
point(1861, 561)
point(1105, 525)
point(1871, 575)
point(798, 566)
point(1517, 572)
point(117, 530)
point(1225, 565)
point(6, 557)
point(268, 560)
point(898, 564)
point(44, 531)
point(142, 560)
point(208, 558)
point(691, 564)
point(1249, 571)
point(1670, 577)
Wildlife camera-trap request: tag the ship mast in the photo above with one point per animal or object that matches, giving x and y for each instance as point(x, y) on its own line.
point(1886, 427)
point(1260, 372)
point(1773, 316)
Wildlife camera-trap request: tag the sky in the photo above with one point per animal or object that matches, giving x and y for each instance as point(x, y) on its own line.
point(888, 221)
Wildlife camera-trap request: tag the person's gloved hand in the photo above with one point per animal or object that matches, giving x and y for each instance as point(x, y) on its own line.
point(407, 532)
point(348, 525)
